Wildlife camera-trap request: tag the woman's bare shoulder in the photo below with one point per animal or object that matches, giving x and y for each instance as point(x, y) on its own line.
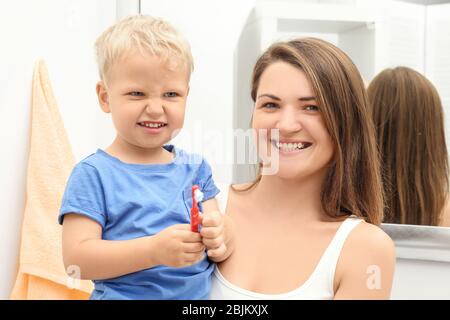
point(368, 245)
point(372, 237)
point(368, 249)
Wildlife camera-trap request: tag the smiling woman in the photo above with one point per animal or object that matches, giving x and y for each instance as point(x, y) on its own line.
point(287, 103)
point(309, 230)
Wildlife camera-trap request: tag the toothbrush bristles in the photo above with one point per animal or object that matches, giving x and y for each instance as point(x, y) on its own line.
point(198, 195)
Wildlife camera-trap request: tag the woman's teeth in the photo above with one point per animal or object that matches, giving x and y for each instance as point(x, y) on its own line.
point(289, 146)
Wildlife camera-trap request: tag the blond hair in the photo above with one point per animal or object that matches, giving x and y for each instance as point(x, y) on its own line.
point(409, 119)
point(353, 183)
point(146, 34)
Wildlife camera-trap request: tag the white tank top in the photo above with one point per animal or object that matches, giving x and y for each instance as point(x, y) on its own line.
point(319, 285)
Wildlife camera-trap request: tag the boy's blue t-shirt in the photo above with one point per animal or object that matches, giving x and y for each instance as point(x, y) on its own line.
point(137, 200)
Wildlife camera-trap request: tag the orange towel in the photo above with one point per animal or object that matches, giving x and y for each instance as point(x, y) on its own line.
point(41, 272)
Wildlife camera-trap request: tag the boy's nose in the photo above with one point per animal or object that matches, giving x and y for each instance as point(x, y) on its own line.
point(154, 107)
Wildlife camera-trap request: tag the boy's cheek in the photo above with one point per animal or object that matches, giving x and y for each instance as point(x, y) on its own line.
point(176, 122)
point(174, 133)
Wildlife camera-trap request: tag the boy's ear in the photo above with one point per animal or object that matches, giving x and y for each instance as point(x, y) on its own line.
point(102, 95)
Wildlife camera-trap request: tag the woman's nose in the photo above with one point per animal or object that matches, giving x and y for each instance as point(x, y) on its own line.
point(289, 122)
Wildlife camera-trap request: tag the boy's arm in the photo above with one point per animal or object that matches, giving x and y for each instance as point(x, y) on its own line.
point(101, 259)
point(218, 229)
point(104, 259)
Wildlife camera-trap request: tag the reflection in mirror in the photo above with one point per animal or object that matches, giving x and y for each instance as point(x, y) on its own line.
point(409, 126)
point(423, 261)
point(409, 113)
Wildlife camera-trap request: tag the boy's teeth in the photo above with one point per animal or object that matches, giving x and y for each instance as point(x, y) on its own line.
point(153, 125)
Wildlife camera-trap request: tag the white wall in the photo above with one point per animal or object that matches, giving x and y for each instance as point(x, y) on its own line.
point(62, 32)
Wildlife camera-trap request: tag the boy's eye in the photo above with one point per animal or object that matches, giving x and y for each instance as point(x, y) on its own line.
point(312, 108)
point(270, 105)
point(136, 94)
point(170, 94)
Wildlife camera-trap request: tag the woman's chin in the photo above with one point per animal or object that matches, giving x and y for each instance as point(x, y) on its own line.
point(285, 173)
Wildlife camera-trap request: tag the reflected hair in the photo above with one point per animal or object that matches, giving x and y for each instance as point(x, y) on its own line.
point(146, 34)
point(409, 120)
point(353, 183)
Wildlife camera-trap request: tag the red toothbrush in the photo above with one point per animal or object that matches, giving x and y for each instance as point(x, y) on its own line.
point(197, 196)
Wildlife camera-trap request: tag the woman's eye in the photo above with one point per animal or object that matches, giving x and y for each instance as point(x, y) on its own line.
point(136, 94)
point(270, 105)
point(170, 94)
point(312, 108)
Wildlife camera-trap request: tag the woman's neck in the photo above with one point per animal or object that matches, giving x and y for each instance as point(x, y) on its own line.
point(287, 197)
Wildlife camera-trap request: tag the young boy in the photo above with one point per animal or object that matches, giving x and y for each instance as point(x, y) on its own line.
point(126, 210)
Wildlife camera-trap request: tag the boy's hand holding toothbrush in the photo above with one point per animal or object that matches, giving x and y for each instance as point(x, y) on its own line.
point(216, 229)
point(177, 246)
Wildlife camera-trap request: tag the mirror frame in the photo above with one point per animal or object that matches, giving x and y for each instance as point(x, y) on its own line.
point(416, 242)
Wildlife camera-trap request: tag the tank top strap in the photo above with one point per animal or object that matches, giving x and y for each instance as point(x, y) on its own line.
point(329, 260)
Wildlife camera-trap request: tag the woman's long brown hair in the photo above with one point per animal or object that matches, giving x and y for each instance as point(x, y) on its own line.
point(353, 184)
point(409, 121)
